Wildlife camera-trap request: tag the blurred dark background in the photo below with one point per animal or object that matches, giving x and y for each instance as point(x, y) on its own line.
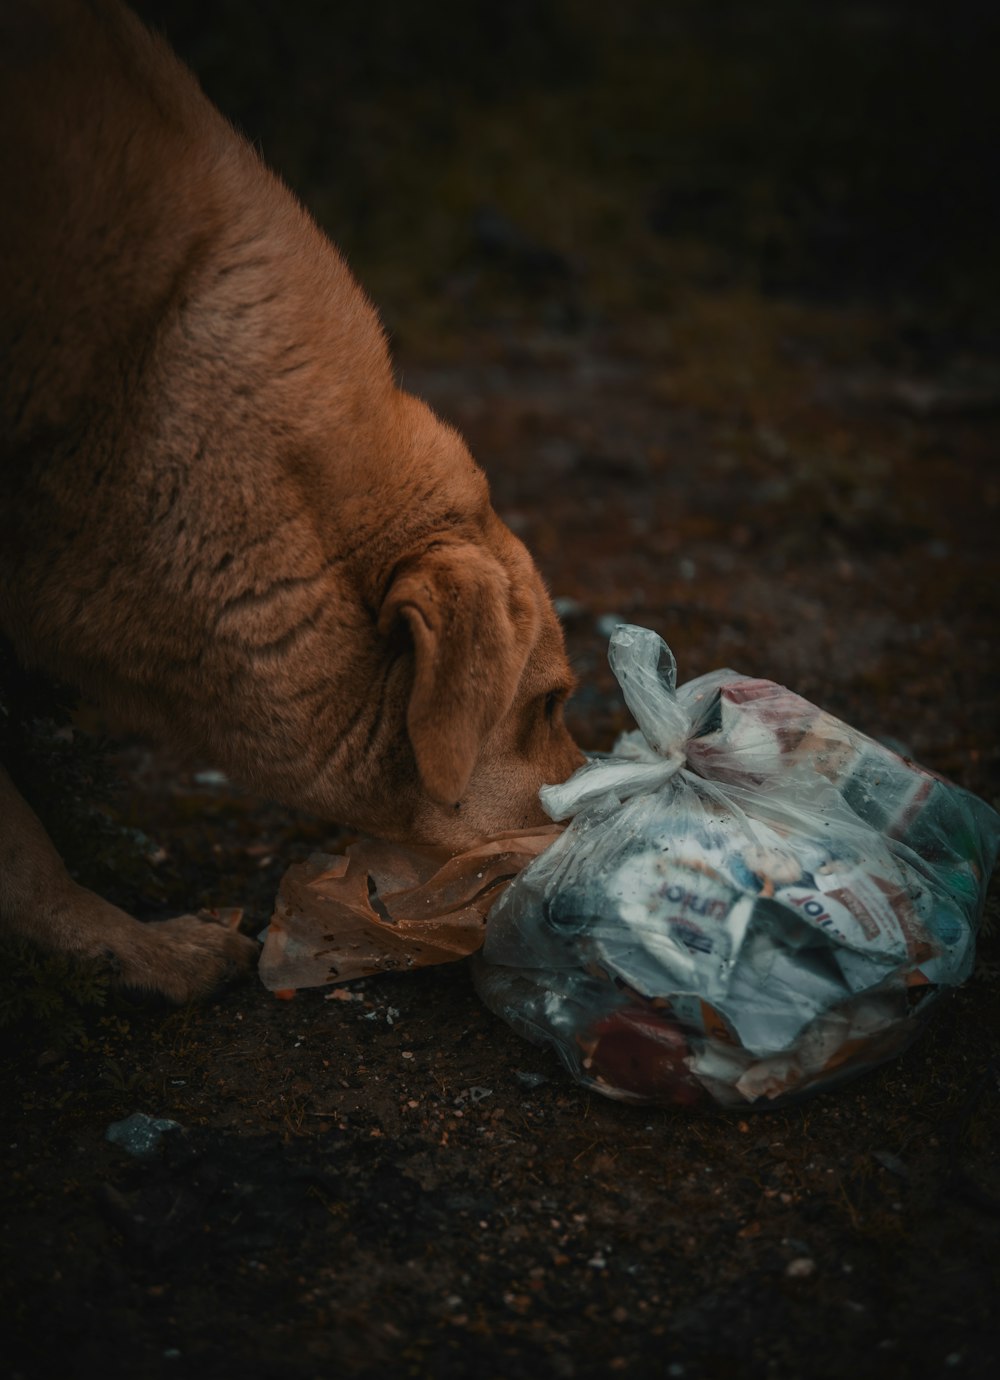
point(566, 162)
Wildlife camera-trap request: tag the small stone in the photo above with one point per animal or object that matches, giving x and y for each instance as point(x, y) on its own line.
point(139, 1134)
point(567, 607)
point(607, 623)
point(800, 1268)
point(211, 778)
point(891, 1162)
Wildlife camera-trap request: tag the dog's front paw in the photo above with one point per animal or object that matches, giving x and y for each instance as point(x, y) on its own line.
point(184, 959)
point(180, 959)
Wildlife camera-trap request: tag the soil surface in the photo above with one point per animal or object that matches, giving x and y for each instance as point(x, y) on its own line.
point(382, 1179)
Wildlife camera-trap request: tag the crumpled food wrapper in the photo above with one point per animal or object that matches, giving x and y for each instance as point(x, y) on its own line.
point(753, 900)
point(381, 907)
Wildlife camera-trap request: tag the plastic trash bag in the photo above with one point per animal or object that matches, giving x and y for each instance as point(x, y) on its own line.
point(752, 901)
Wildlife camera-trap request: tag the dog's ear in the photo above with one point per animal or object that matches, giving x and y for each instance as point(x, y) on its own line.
point(471, 633)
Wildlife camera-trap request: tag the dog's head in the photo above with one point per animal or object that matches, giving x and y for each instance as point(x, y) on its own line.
point(486, 681)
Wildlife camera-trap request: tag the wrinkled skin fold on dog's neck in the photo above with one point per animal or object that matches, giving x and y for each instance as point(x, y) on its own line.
point(218, 514)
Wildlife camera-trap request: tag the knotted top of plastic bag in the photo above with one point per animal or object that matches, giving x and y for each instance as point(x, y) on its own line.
point(646, 670)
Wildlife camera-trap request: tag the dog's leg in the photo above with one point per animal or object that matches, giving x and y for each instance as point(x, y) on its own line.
point(180, 959)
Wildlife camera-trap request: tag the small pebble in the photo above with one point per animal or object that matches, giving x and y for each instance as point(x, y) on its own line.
point(140, 1134)
point(211, 778)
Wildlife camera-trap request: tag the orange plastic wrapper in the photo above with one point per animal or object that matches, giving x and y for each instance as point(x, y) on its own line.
point(382, 907)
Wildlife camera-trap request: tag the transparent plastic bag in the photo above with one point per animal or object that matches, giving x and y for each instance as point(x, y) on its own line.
point(753, 900)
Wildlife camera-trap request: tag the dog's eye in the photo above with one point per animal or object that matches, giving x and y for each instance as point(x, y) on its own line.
point(552, 702)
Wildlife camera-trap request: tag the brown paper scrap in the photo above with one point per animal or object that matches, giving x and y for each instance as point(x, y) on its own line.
point(381, 907)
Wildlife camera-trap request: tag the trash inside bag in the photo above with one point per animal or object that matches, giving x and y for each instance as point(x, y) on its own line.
point(752, 900)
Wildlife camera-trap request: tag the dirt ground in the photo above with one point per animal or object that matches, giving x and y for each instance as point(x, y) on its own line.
point(384, 1180)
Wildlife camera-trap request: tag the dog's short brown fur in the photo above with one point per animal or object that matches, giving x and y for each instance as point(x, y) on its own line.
point(218, 514)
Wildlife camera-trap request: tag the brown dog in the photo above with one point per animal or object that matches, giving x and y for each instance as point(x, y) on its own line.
point(218, 515)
